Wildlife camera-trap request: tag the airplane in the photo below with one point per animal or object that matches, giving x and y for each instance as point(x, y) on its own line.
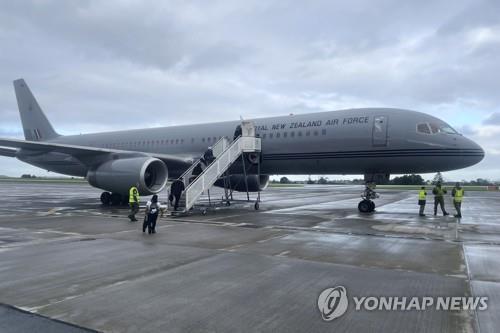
point(374, 142)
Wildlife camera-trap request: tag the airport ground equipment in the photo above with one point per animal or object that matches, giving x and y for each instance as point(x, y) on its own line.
point(226, 153)
point(367, 205)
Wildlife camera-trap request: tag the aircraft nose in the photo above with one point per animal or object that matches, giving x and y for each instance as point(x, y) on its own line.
point(473, 152)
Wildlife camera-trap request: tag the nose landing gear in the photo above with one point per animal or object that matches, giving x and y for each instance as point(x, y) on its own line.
point(367, 205)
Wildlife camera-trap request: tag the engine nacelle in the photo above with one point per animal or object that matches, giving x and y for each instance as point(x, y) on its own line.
point(119, 175)
point(237, 183)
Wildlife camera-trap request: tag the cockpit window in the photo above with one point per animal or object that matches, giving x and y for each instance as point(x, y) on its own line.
point(434, 128)
point(423, 128)
point(447, 130)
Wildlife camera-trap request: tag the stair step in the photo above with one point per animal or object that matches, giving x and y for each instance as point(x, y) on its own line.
point(225, 154)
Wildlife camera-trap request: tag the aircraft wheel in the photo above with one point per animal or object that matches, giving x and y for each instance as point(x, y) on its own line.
point(116, 199)
point(106, 198)
point(256, 206)
point(372, 206)
point(228, 203)
point(365, 206)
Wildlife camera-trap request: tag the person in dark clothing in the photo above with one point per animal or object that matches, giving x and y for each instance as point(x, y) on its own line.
point(238, 132)
point(208, 156)
point(176, 191)
point(439, 193)
point(197, 171)
point(152, 211)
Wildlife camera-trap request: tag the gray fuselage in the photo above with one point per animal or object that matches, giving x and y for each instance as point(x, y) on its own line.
point(355, 141)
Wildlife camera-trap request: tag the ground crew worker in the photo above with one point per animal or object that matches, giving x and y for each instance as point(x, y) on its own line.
point(133, 201)
point(422, 199)
point(458, 194)
point(439, 193)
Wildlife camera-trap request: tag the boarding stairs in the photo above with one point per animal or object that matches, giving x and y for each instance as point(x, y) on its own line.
point(225, 153)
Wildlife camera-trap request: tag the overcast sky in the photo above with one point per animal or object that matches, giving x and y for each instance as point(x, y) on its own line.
point(110, 65)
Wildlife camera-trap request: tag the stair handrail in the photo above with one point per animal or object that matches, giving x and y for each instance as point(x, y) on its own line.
point(217, 149)
point(212, 172)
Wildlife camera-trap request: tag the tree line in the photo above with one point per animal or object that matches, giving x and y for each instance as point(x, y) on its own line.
point(411, 179)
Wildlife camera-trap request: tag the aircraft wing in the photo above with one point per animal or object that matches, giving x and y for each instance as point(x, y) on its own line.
point(84, 153)
point(7, 152)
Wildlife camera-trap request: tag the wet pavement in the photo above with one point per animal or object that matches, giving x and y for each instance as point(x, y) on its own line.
point(64, 256)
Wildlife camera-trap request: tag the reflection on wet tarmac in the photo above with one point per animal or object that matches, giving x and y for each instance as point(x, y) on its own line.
point(65, 256)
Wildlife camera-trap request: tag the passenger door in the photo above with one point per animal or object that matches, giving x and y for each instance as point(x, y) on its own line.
point(379, 134)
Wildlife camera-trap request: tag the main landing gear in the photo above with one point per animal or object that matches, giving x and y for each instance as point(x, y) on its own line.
point(367, 205)
point(113, 199)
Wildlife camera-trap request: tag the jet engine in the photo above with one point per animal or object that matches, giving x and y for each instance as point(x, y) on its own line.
point(237, 182)
point(119, 175)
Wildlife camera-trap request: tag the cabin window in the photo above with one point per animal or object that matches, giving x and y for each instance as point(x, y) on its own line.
point(292, 134)
point(308, 133)
point(323, 131)
point(270, 135)
point(316, 133)
point(192, 140)
point(285, 134)
point(299, 133)
point(264, 136)
point(278, 135)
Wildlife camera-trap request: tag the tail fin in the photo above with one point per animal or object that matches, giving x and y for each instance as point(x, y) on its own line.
point(36, 126)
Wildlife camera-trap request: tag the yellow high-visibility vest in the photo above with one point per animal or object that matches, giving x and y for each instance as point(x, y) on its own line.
point(133, 194)
point(459, 194)
point(422, 195)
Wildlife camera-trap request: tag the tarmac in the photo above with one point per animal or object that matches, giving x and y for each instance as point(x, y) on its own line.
point(68, 264)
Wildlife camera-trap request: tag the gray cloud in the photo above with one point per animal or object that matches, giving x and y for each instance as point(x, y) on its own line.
point(493, 119)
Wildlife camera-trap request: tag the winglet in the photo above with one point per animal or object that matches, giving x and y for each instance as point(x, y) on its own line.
point(36, 126)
